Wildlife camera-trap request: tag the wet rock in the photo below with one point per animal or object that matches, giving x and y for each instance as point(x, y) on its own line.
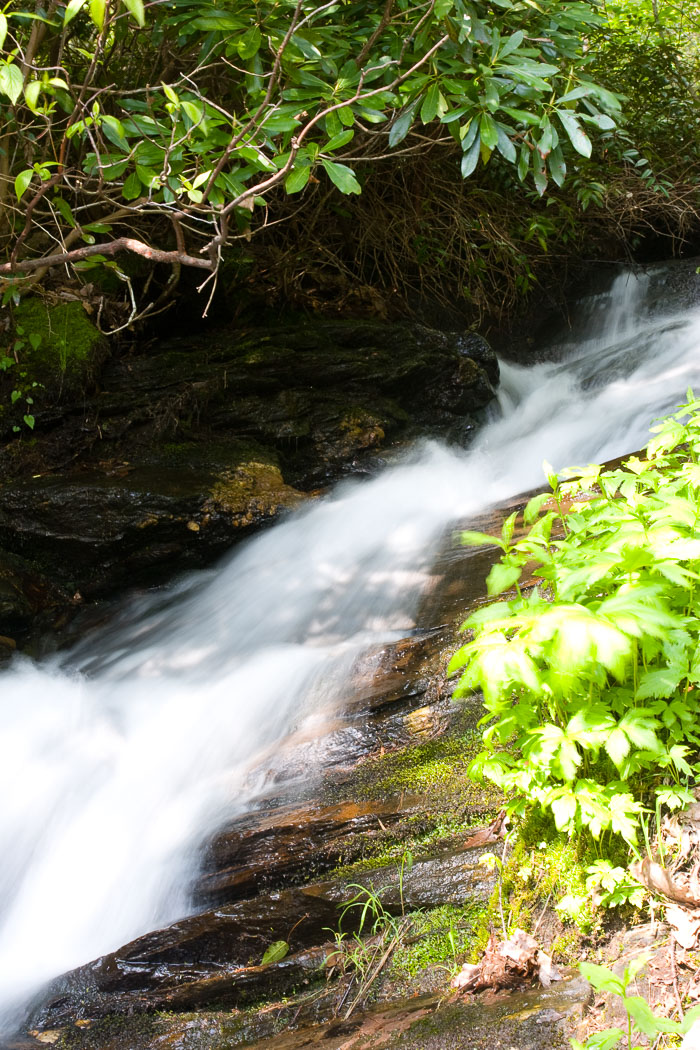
point(97, 529)
point(262, 849)
point(29, 601)
point(529, 1020)
point(215, 956)
point(187, 447)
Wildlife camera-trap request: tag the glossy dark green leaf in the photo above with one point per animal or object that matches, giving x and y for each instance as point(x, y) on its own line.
point(577, 136)
point(132, 187)
point(470, 158)
point(342, 177)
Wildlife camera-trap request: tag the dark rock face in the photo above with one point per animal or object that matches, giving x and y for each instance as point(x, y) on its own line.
point(187, 447)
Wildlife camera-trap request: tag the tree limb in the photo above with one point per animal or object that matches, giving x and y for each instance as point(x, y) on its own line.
point(121, 244)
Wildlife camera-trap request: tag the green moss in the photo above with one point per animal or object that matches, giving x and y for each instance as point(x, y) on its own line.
point(253, 491)
point(432, 776)
point(57, 346)
point(439, 763)
point(439, 939)
point(544, 872)
point(109, 1033)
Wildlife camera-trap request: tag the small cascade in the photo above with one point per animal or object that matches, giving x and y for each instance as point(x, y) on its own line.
point(118, 760)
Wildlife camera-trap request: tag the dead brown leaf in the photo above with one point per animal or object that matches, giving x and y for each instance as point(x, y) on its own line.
point(681, 888)
point(492, 833)
point(685, 926)
point(507, 964)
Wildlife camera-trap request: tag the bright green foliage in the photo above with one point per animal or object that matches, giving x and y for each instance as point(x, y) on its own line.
point(195, 110)
point(591, 680)
point(641, 1019)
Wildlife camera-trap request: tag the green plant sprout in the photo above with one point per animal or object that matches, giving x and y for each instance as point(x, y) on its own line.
point(22, 391)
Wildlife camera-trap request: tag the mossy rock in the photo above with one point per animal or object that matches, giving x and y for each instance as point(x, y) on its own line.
point(252, 492)
point(62, 349)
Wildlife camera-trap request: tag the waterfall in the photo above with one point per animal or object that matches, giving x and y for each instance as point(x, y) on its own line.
point(117, 760)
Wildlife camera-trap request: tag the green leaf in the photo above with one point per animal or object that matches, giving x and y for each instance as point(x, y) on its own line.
point(505, 145)
point(297, 179)
point(502, 577)
point(606, 1040)
point(508, 528)
point(512, 43)
point(643, 1015)
point(602, 979)
point(428, 110)
point(522, 116)
point(488, 131)
point(97, 12)
point(578, 137)
point(136, 10)
point(599, 120)
point(660, 683)
point(557, 166)
point(640, 729)
point(617, 746)
point(249, 43)
point(29, 420)
point(72, 9)
point(275, 952)
point(132, 187)
point(479, 539)
point(114, 131)
point(11, 81)
point(193, 110)
point(31, 94)
point(470, 158)
point(170, 93)
point(148, 177)
point(342, 177)
point(564, 809)
point(534, 506)
point(3, 30)
point(402, 125)
point(22, 182)
point(64, 208)
point(339, 140)
point(307, 49)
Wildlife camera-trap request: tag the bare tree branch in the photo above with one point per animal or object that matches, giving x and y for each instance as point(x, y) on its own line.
point(121, 244)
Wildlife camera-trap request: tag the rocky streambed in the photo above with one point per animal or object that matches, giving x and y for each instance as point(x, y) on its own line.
point(393, 813)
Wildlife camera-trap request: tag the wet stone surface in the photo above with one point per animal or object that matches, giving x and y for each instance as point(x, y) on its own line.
point(177, 452)
point(527, 1020)
point(399, 776)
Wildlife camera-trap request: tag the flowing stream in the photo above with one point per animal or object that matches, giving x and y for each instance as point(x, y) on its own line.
point(116, 762)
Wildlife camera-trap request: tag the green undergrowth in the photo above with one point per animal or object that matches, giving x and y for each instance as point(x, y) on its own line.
point(542, 889)
point(591, 681)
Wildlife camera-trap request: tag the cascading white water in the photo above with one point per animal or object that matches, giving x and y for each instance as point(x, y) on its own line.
point(116, 763)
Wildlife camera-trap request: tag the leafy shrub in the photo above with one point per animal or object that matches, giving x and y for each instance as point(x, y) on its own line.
point(591, 679)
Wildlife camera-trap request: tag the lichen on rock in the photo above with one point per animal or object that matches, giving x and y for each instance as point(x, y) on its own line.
point(252, 492)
